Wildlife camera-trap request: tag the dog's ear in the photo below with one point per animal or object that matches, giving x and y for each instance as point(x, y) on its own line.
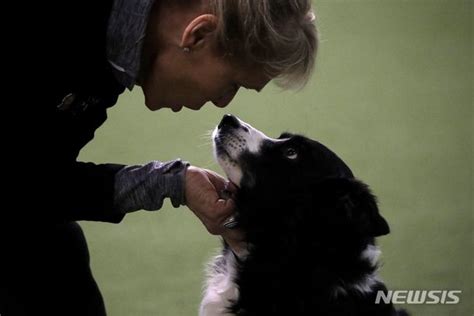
point(353, 200)
point(285, 135)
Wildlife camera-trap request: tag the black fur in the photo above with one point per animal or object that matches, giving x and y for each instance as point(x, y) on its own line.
point(307, 221)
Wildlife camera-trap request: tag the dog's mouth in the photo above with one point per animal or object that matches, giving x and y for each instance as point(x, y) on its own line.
point(226, 156)
point(233, 139)
point(227, 162)
point(220, 147)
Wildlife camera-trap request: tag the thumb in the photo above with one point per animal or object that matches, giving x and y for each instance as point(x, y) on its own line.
point(217, 181)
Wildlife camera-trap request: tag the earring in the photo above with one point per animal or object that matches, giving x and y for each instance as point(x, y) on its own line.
point(186, 49)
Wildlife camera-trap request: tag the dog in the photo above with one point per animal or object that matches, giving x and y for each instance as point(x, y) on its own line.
point(310, 229)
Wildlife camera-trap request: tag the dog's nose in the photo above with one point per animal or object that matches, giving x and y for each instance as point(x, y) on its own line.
point(230, 121)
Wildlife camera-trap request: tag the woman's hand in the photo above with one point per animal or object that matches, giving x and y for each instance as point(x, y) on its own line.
point(202, 194)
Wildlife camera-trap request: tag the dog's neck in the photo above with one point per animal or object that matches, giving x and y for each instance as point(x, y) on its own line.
point(366, 280)
point(356, 272)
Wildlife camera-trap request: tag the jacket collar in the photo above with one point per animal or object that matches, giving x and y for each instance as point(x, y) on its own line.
point(125, 34)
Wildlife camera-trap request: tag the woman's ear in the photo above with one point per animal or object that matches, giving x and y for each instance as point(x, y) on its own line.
point(196, 32)
point(353, 201)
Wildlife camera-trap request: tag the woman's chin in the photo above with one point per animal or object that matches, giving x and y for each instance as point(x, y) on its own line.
point(196, 107)
point(152, 106)
point(176, 108)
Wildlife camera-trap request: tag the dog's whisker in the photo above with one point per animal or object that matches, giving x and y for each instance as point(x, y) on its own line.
point(208, 144)
point(211, 163)
point(207, 134)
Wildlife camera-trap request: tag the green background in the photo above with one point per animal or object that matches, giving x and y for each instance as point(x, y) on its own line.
point(392, 95)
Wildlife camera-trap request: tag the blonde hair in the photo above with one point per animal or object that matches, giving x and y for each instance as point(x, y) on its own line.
point(278, 35)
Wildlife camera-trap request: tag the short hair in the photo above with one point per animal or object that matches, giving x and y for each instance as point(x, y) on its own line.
point(279, 35)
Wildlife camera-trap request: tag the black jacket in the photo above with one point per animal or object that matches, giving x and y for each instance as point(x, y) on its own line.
point(44, 265)
point(78, 88)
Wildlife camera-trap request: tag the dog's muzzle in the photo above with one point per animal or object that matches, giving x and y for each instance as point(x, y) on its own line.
point(232, 138)
point(229, 121)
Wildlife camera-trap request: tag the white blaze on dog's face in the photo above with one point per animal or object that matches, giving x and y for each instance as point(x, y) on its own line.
point(232, 137)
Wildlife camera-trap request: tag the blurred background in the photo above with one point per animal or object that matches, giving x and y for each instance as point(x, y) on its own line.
point(392, 95)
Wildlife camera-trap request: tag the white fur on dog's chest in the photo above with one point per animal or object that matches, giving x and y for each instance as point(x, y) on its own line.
point(220, 290)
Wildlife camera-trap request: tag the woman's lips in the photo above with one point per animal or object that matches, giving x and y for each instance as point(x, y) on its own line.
point(223, 101)
point(176, 108)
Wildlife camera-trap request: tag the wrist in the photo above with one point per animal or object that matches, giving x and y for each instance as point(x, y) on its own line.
point(146, 186)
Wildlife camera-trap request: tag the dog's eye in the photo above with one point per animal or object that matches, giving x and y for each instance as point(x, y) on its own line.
point(291, 153)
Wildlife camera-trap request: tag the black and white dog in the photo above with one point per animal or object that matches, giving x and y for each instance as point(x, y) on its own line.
point(310, 227)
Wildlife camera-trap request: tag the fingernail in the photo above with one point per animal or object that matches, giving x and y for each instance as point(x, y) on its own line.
point(230, 223)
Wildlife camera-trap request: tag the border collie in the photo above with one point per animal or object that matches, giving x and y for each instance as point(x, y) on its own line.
point(310, 229)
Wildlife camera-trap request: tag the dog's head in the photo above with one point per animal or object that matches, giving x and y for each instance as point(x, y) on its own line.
point(294, 184)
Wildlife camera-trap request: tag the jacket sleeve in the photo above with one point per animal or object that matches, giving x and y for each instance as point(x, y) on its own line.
point(107, 192)
point(146, 186)
point(76, 191)
point(57, 188)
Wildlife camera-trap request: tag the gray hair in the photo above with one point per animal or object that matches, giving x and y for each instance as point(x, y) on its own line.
point(278, 35)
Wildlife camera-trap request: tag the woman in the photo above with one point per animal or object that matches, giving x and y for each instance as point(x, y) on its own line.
point(182, 54)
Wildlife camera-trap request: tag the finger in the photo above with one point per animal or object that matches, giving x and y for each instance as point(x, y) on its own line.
point(232, 187)
point(213, 173)
point(208, 191)
point(222, 210)
point(215, 198)
point(227, 192)
point(219, 182)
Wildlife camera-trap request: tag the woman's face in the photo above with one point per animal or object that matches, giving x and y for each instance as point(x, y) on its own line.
point(173, 77)
point(180, 79)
